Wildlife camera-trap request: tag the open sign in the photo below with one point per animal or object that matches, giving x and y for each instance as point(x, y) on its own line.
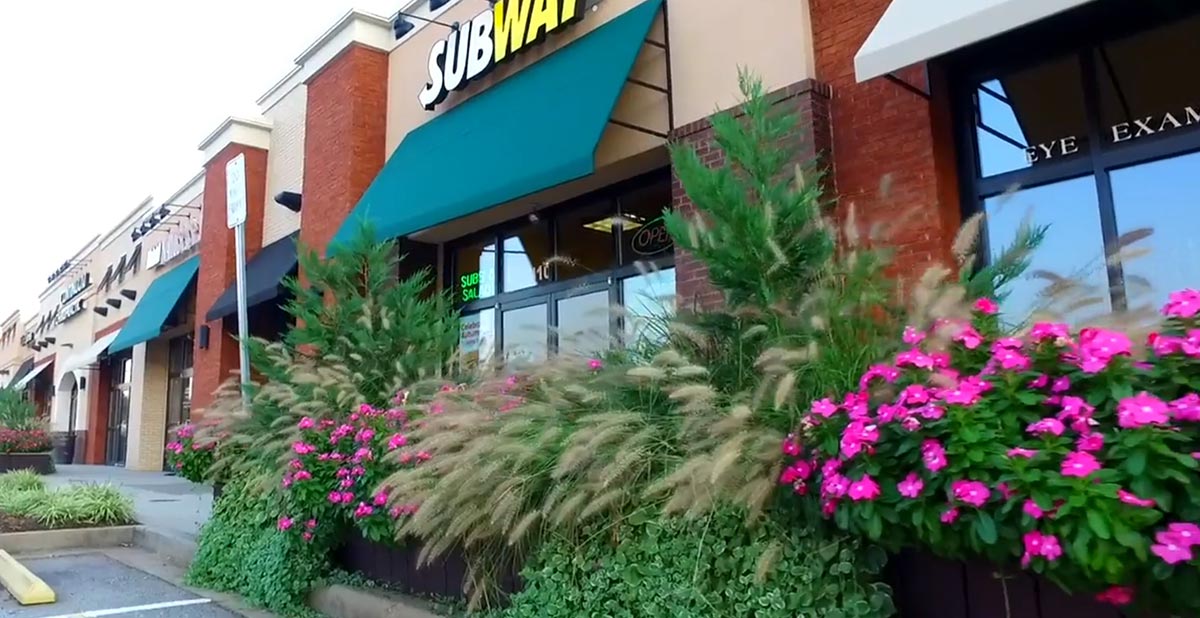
point(651, 239)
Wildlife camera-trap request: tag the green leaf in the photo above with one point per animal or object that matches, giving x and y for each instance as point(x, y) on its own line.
point(1136, 464)
point(985, 528)
point(1099, 524)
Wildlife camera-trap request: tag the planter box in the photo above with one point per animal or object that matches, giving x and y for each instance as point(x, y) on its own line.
point(41, 463)
point(925, 586)
point(396, 567)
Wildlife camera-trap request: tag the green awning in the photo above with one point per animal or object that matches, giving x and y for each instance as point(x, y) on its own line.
point(534, 130)
point(156, 306)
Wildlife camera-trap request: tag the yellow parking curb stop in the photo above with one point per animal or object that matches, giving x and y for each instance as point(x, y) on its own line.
point(26, 588)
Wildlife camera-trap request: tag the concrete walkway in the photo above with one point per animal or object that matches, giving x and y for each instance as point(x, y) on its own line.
point(168, 504)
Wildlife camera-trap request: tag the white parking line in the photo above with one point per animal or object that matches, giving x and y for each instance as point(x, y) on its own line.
point(98, 613)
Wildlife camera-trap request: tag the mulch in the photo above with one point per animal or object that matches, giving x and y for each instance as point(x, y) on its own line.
point(14, 523)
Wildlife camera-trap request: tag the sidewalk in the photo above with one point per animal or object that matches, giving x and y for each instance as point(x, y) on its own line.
point(170, 504)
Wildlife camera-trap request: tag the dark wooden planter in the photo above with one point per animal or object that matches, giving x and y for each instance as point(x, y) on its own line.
point(925, 586)
point(41, 463)
point(396, 567)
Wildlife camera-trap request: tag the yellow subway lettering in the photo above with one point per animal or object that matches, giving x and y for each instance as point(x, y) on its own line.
point(511, 22)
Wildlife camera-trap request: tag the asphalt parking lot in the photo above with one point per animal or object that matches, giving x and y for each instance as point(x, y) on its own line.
point(93, 585)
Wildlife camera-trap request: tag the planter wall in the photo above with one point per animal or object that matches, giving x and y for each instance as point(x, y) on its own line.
point(925, 586)
point(42, 463)
point(396, 567)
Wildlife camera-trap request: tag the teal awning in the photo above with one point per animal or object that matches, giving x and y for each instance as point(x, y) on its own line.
point(156, 305)
point(534, 130)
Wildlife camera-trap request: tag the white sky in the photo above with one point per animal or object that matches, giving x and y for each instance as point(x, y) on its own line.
point(103, 104)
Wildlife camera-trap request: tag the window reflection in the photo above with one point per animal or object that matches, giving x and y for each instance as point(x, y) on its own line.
point(525, 334)
point(1164, 198)
point(527, 259)
point(643, 235)
point(586, 242)
point(1072, 252)
point(1031, 117)
point(649, 301)
point(583, 324)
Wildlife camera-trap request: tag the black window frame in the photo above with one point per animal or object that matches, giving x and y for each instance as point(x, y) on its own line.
point(1077, 33)
point(552, 292)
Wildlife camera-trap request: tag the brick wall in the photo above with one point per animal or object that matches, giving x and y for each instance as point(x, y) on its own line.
point(218, 265)
point(893, 150)
point(148, 406)
point(809, 100)
point(344, 140)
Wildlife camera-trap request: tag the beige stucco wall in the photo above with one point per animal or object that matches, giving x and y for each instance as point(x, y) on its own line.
point(285, 161)
point(12, 353)
point(710, 39)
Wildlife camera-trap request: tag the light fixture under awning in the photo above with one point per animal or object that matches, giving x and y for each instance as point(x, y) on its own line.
point(913, 31)
point(89, 356)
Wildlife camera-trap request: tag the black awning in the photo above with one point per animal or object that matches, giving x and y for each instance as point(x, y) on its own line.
point(22, 371)
point(265, 273)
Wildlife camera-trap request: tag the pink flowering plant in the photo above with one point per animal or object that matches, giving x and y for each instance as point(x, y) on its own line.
point(1072, 454)
point(189, 455)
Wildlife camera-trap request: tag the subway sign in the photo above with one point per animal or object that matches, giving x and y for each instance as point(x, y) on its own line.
point(492, 38)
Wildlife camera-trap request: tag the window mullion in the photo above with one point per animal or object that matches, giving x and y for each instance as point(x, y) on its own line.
point(1108, 212)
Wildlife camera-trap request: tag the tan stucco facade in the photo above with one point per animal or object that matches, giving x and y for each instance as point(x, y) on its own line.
point(285, 161)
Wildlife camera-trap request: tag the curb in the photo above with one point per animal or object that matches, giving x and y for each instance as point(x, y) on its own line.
point(75, 538)
point(23, 585)
point(177, 550)
point(341, 601)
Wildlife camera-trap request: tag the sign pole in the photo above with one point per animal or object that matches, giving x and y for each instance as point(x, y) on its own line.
point(235, 219)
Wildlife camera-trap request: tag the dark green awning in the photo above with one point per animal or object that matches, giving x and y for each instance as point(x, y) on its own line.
point(146, 321)
point(534, 130)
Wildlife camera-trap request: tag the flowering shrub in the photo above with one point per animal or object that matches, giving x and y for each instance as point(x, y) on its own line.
point(24, 441)
point(1061, 452)
point(189, 456)
point(337, 469)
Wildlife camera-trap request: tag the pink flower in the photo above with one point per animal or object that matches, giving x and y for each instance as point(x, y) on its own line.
point(1171, 549)
point(1046, 426)
point(307, 536)
point(1132, 499)
point(1005, 491)
point(1011, 360)
point(424, 456)
point(1098, 346)
point(913, 336)
point(1182, 304)
point(887, 372)
point(1040, 382)
point(824, 408)
point(791, 447)
point(914, 358)
point(302, 475)
point(914, 394)
point(303, 448)
point(949, 516)
point(986, 306)
point(1079, 464)
point(1187, 534)
point(311, 524)
point(1032, 509)
point(1117, 595)
point(934, 455)
point(911, 486)
point(973, 493)
point(285, 523)
point(380, 498)
point(306, 423)
point(1040, 545)
point(798, 471)
point(364, 435)
point(1165, 345)
point(1022, 452)
point(1048, 330)
point(835, 486)
point(1090, 443)
point(1060, 384)
point(1141, 410)
point(595, 364)
point(363, 510)
point(1186, 408)
point(335, 497)
point(911, 423)
point(864, 488)
point(969, 337)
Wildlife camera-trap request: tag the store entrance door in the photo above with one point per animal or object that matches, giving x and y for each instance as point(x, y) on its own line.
point(118, 410)
point(179, 386)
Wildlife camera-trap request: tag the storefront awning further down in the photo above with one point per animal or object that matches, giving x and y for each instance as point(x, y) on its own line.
point(156, 305)
point(31, 376)
point(265, 273)
point(913, 31)
point(89, 356)
point(22, 371)
point(536, 129)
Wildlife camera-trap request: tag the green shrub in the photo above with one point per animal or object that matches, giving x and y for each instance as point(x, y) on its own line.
point(100, 504)
point(16, 411)
point(711, 567)
point(64, 507)
point(21, 480)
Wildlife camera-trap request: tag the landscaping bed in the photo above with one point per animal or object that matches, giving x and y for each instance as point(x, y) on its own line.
point(41, 463)
point(27, 505)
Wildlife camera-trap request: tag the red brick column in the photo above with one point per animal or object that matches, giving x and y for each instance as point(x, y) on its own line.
point(809, 100)
point(218, 265)
point(885, 136)
point(344, 140)
point(96, 436)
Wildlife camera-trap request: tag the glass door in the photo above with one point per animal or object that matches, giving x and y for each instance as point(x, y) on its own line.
point(118, 410)
point(179, 385)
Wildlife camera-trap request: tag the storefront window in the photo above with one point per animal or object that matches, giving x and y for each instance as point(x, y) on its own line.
point(561, 274)
point(117, 429)
point(1104, 146)
point(649, 301)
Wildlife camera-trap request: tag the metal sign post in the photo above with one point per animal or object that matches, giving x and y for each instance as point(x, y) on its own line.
point(235, 216)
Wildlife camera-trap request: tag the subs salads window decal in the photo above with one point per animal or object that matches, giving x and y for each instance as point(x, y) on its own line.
point(491, 38)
